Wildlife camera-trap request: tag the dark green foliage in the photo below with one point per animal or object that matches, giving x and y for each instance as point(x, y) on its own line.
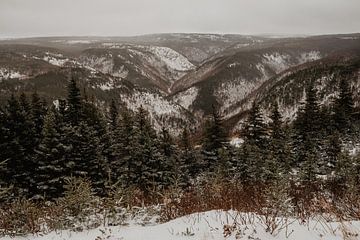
point(250, 163)
point(52, 168)
point(308, 122)
point(344, 107)
point(38, 112)
point(278, 158)
point(113, 115)
point(214, 139)
point(253, 154)
point(215, 136)
point(43, 148)
point(308, 130)
point(333, 150)
point(74, 102)
point(255, 130)
point(190, 160)
point(144, 166)
point(171, 169)
point(18, 145)
point(121, 149)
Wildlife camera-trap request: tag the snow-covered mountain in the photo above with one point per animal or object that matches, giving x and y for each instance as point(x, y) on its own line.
point(177, 77)
point(148, 66)
point(233, 76)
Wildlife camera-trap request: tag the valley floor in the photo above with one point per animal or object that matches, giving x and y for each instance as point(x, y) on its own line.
point(216, 225)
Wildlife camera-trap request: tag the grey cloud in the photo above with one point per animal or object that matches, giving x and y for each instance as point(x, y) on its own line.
point(132, 17)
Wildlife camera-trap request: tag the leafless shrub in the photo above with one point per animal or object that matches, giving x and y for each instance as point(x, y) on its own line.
point(20, 217)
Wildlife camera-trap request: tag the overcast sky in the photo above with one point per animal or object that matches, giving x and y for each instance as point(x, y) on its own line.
point(134, 17)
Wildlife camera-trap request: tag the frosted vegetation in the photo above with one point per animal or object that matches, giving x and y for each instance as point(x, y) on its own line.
point(77, 171)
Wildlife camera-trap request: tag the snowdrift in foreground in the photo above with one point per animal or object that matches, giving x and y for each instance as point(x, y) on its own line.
point(217, 225)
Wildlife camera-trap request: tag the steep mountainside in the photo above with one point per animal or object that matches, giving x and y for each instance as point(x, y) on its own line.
point(229, 78)
point(177, 77)
point(147, 66)
point(48, 73)
point(288, 88)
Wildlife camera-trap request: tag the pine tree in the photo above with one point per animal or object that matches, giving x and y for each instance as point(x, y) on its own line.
point(191, 164)
point(215, 136)
point(344, 107)
point(3, 165)
point(333, 151)
point(214, 139)
point(308, 133)
point(74, 102)
point(121, 149)
point(278, 157)
point(84, 158)
point(113, 115)
point(255, 130)
point(170, 168)
point(38, 112)
point(146, 158)
point(254, 150)
point(52, 171)
point(18, 145)
point(250, 164)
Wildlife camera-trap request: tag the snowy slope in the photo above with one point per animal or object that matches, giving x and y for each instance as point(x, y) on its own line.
point(171, 58)
point(217, 225)
point(10, 74)
point(160, 109)
point(141, 64)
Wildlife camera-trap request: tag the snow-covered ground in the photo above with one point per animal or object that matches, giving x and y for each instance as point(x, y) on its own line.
point(10, 74)
point(186, 98)
point(158, 107)
point(171, 58)
point(277, 61)
point(216, 225)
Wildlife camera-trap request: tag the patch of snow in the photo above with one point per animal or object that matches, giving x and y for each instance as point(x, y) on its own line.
point(349, 38)
point(236, 141)
point(106, 86)
point(241, 45)
point(186, 98)
point(55, 61)
point(11, 74)
point(104, 64)
point(217, 224)
point(158, 107)
point(278, 62)
point(231, 65)
point(309, 56)
point(56, 103)
point(122, 72)
point(173, 59)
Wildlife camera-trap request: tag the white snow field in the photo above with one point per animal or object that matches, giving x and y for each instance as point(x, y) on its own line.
point(216, 225)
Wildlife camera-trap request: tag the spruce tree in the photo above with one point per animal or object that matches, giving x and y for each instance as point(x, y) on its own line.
point(344, 107)
point(74, 102)
point(52, 170)
point(333, 151)
point(308, 134)
point(113, 115)
point(38, 112)
point(254, 150)
point(170, 168)
point(121, 149)
point(278, 157)
point(214, 139)
point(215, 136)
point(146, 158)
point(18, 145)
point(190, 161)
point(255, 130)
